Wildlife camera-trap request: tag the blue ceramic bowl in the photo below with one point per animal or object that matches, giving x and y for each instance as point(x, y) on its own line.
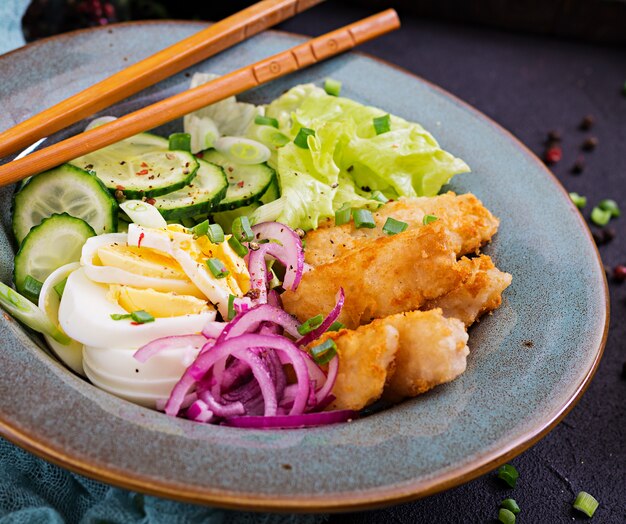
point(530, 361)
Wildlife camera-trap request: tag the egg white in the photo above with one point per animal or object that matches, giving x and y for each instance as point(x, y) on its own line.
point(71, 354)
point(85, 315)
point(115, 275)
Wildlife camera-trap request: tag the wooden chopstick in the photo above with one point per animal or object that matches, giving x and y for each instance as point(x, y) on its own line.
point(165, 63)
point(279, 65)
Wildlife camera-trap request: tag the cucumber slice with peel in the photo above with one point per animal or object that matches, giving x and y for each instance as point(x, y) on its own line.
point(139, 166)
point(205, 191)
point(57, 241)
point(64, 189)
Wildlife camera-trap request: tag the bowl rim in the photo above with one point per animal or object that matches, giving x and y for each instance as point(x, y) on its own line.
point(362, 500)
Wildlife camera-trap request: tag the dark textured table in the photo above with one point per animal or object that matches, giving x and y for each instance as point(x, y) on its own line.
point(532, 85)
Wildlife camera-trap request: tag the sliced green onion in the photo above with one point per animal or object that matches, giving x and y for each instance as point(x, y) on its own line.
point(428, 219)
point(118, 316)
point(217, 267)
point(242, 150)
point(600, 217)
point(180, 142)
point(377, 195)
point(32, 287)
point(261, 120)
point(215, 233)
point(578, 200)
point(508, 474)
point(332, 87)
point(60, 287)
point(237, 246)
point(610, 205)
point(143, 214)
point(511, 505)
point(231, 307)
point(273, 136)
point(324, 352)
point(586, 503)
point(28, 313)
point(342, 215)
point(201, 229)
point(336, 326)
point(301, 139)
point(393, 226)
point(141, 316)
point(310, 325)
point(363, 218)
point(382, 124)
point(241, 229)
point(505, 516)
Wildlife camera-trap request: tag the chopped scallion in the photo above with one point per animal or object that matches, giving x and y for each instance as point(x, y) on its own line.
point(586, 503)
point(301, 139)
point(342, 215)
point(231, 307)
point(332, 87)
point(393, 226)
point(505, 516)
point(377, 195)
point(201, 229)
point(60, 287)
point(428, 219)
point(508, 474)
point(336, 326)
point(600, 217)
point(217, 267)
point(511, 505)
point(310, 325)
point(261, 120)
point(324, 352)
point(118, 316)
point(141, 316)
point(215, 233)
point(32, 287)
point(237, 246)
point(382, 124)
point(578, 200)
point(363, 218)
point(610, 205)
point(180, 142)
point(241, 229)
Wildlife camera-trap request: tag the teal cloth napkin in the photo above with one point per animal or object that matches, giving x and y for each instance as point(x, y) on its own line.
point(32, 491)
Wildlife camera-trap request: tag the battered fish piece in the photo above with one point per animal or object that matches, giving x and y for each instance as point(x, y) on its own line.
point(429, 350)
point(469, 222)
point(366, 361)
point(432, 350)
point(392, 274)
point(480, 293)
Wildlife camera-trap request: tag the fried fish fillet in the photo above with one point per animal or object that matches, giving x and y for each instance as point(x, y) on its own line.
point(401, 355)
point(469, 222)
point(392, 274)
point(479, 293)
point(432, 350)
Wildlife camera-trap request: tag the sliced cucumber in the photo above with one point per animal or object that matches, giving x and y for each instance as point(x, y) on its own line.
point(205, 191)
point(141, 165)
point(64, 189)
point(225, 218)
point(246, 183)
point(57, 241)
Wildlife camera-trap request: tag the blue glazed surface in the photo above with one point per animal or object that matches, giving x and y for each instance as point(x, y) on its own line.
point(528, 362)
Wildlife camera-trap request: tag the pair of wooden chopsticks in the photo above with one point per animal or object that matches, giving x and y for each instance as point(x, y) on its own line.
point(172, 60)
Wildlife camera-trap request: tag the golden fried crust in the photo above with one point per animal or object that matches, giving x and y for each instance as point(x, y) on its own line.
point(393, 274)
point(366, 359)
point(432, 350)
point(479, 293)
point(469, 222)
